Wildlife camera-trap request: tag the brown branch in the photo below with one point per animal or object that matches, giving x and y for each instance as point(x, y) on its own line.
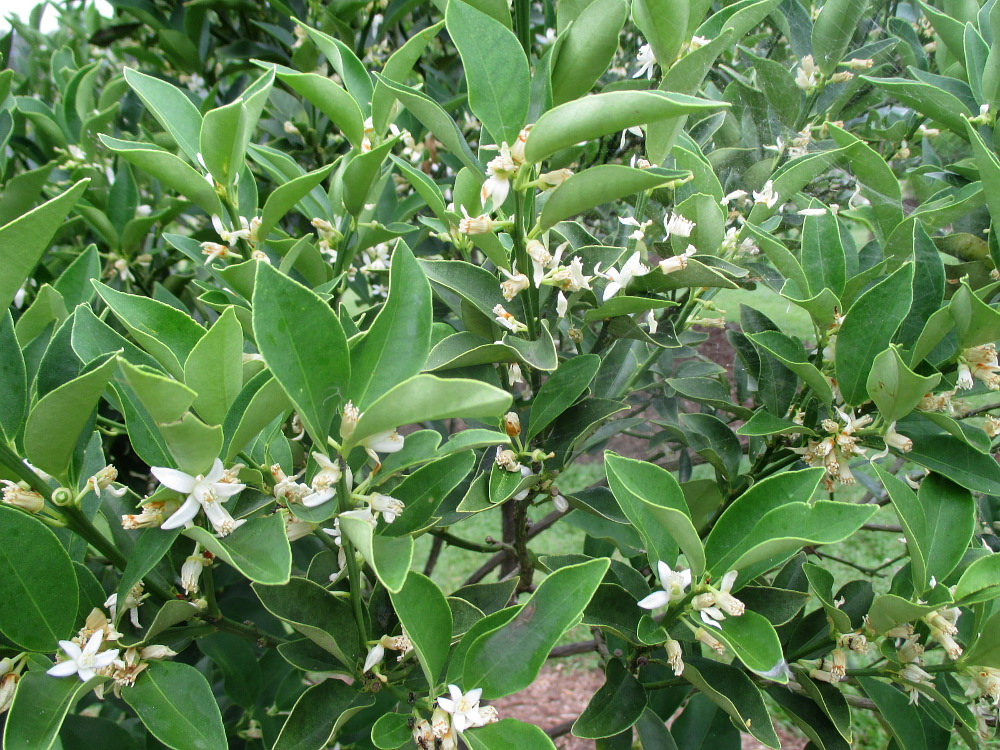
point(503, 555)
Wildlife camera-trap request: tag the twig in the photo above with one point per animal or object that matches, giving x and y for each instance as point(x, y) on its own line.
point(560, 729)
point(436, 546)
point(499, 557)
point(571, 649)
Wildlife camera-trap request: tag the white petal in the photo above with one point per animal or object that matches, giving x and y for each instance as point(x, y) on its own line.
point(317, 498)
point(374, 657)
point(103, 660)
point(728, 580)
point(174, 479)
point(94, 643)
point(71, 649)
point(447, 705)
point(216, 473)
point(611, 290)
point(86, 673)
point(460, 722)
point(182, 515)
point(227, 489)
point(664, 572)
point(63, 669)
point(654, 600)
point(473, 696)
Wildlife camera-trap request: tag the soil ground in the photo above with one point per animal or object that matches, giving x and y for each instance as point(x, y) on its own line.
point(560, 694)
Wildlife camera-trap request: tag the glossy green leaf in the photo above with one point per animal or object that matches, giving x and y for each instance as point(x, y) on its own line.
point(929, 100)
point(868, 329)
point(330, 99)
point(958, 461)
point(396, 344)
point(587, 49)
point(426, 616)
point(508, 659)
point(986, 651)
point(560, 391)
point(37, 574)
point(165, 332)
point(663, 24)
point(24, 240)
point(822, 254)
point(150, 547)
point(833, 30)
point(324, 618)
point(318, 715)
point(495, 67)
point(391, 731)
point(172, 109)
point(390, 557)
point(351, 70)
point(314, 370)
point(14, 394)
point(615, 707)
point(599, 185)
point(422, 398)
point(980, 581)
point(192, 444)
point(171, 170)
point(601, 114)
point(214, 368)
point(975, 322)
point(508, 733)
point(285, 196)
point(755, 642)
point(732, 691)
point(237, 659)
point(176, 704)
point(258, 549)
point(901, 716)
point(654, 503)
point(397, 68)
point(40, 707)
point(894, 387)
point(57, 421)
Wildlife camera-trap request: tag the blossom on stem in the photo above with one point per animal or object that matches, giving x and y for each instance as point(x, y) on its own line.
point(206, 492)
point(677, 262)
point(646, 60)
point(507, 320)
point(640, 229)
point(387, 505)
point(726, 601)
point(498, 173)
point(767, 196)
point(620, 279)
point(515, 283)
point(674, 584)
point(675, 657)
point(84, 662)
point(21, 496)
point(675, 224)
point(463, 707)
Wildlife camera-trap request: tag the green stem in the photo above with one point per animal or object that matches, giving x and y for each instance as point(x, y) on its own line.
point(456, 541)
point(353, 571)
point(524, 265)
point(249, 631)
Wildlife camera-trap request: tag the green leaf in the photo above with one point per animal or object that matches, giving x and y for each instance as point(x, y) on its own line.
point(422, 398)
point(426, 617)
point(318, 715)
point(654, 503)
point(35, 573)
point(732, 690)
point(151, 547)
point(663, 24)
point(314, 370)
point(397, 68)
point(615, 707)
point(285, 196)
point(949, 523)
point(561, 391)
point(495, 67)
point(601, 114)
point(425, 187)
point(24, 240)
point(986, 650)
point(833, 30)
point(225, 133)
point(258, 549)
point(392, 731)
point(867, 330)
point(237, 660)
point(900, 715)
point(330, 99)
point(360, 174)
point(764, 423)
point(750, 507)
point(508, 659)
point(259, 403)
point(754, 641)
point(322, 617)
point(165, 332)
point(171, 170)
point(894, 387)
point(927, 99)
point(599, 185)
point(980, 581)
point(172, 109)
point(176, 704)
point(396, 345)
point(390, 557)
point(587, 49)
point(975, 321)
point(958, 461)
point(192, 443)
point(889, 610)
point(214, 368)
point(57, 421)
point(425, 489)
point(823, 258)
point(653, 732)
point(14, 394)
point(40, 707)
point(508, 733)
point(347, 64)
point(436, 120)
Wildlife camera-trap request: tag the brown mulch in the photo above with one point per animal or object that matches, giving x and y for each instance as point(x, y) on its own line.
point(560, 693)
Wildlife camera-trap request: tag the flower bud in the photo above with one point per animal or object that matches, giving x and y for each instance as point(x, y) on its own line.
point(517, 150)
point(471, 225)
point(349, 420)
point(512, 424)
point(675, 656)
point(157, 652)
point(20, 496)
point(8, 684)
point(555, 178)
point(709, 640)
point(507, 460)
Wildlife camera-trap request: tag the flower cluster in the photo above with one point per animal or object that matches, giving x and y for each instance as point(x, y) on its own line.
point(834, 451)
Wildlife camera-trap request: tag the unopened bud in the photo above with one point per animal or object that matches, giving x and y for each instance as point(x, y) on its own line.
point(517, 150)
point(8, 684)
point(512, 424)
point(349, 420)
point(20, 496)
point(553, 179)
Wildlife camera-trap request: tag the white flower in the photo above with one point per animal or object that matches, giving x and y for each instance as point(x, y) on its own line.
point(463, 707)
point(375, 656)
point(231, 237)
point(677, 262)
point(812, 212)
point(677, 225)
point(208, 492)
point(736, 195)
point(640, 231)
point(676, 657)
point(808, 75)
point(674, 585)
point(540, 259)
point(646, 60)
point(132, 602)
point(388, 506)
point(515, 284)
point(86, 661)
point(620, 279)
point(705, 606)
point(387, 441)
point(767, 196)
point(561, 305)
point(507, 320)
point(726, 601)
point(498, 174)
point(192, 568)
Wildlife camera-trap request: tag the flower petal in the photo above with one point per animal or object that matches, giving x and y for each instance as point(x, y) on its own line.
point(225, 490)
point(71, 649)
point(63, 669)
point(174, 479)
point(216, 473)
point(447, 704)
point(656, 599)
point(317, 498)
point(182, 515)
